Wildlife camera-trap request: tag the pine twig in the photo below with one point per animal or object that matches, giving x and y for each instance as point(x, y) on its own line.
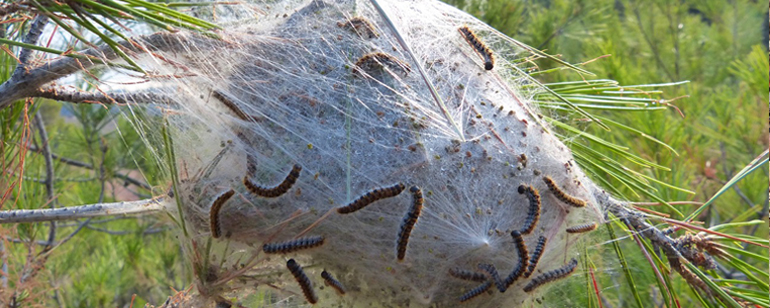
point(84, 211)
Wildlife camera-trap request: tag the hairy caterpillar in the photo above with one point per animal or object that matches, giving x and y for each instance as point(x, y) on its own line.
point(492, 271)
point(467, 275)
point(293, 245)
point(582, 228)
point(476, 291)
point(478, 46)
point(231, 105)
point(214, 212)
point(272, 192)
point(561, 195)
point(334, 283)
point(375, 60)
point(409, 221)
point(359, 24)
point(535, 257)
point(552, 275)
point(534, 208)
point(304, 282)
point(521, 249)
point(371, 196)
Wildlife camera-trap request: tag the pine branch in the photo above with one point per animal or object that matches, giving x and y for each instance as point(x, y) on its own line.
point(84, 211)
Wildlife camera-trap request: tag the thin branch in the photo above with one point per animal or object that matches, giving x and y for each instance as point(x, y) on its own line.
point(84, 211)
point(35, 30)
point(112, 232)
point(49, 174)
point(108, 98)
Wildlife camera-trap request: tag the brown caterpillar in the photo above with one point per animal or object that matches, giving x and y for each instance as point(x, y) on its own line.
point(476, 291)
point(334, 283)
point(478, 46)
point(293, 245)
point(582, 228)
point(467, 275)
point(304, 282)
point(371, 196)
point(552, 275)
point(535, 257)
point(231, 105)
point(521, 250)
point(409, 221)
point(534, 208)
point(359, 25)
point(561, 195)
point(377, 60)
point(214, 212)
point(272, 192)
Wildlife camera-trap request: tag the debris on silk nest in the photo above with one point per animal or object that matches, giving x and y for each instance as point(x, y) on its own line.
point(310, 136)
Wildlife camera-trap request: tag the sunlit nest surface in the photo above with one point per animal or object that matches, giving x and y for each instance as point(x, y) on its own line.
point(302, 108)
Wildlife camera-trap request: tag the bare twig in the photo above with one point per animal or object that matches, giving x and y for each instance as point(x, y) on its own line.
point(35, 30)
point(109, 98)
point(49, 175)
point(113, 232)
point(84, 211)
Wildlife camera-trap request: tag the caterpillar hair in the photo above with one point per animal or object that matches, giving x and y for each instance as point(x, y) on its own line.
point(535, 257)
point(304, 282)
point(467, 275)
point(582, 228)
point(561, 195)
point(551, 276)
point(521, 249)
point(479, 47)
point(272, 192)
point(375, 60)
point(534, 208)
point(409, 221)
point(492, 271)
point(293, 245)
point(214, 212)
point(360, 25)
point(334, 283)
point(371, 196)
point(476, 291)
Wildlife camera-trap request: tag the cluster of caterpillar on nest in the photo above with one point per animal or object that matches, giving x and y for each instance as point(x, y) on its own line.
point(527, 262)
point(304, 243)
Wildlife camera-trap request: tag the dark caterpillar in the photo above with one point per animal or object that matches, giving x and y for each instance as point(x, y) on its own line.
point(561, 195)
point(272, 192)
point(371, 196)
point(478, 46)
point(359, 25)
point(214, 212)
point(304, 282)
point(476, 291)
point(521, 250)
point(535, 257)
point(467, 275)
point(376, 60)
point(534, 208)
point(409, 221)
point(551, 276)
point(293, 245)
point(582, 228)
point(492, 271)
point(334, 283)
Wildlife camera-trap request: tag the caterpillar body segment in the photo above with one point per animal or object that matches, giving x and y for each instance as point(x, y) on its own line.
point(467, 275)
point(377, 60)
point(329, 280)
point(293, 245)
point(360, 25)
point(479, 47)
point(302, 280)
point(216, 230)
point(475, 291)
point(561, 195)
point(409, 221)
point(582, 228)
point(534, 208)
point(553, 275)
point(535, 257)
point(492, 271)
point(280, 189)
point(372, 196)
